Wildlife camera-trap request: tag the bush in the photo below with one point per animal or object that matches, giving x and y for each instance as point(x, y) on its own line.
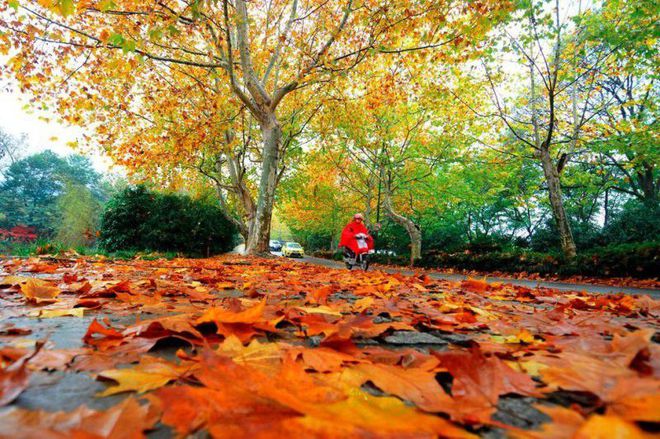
point(139, 219)
point(586, 236)
point(636, 222)
point(636, 260)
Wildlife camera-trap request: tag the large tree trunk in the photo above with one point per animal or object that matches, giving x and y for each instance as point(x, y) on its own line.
point(557, 204)
point(260, 233)
point(414, 233)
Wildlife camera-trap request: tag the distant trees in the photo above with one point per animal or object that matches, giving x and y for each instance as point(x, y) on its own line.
point(57, 196)
point(546, 141)
point(78, 212)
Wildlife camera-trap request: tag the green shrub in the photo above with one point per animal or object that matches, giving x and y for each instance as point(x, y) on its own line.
point(585, 235)
point(635, 223)
point(140, 219)
point(636, 260)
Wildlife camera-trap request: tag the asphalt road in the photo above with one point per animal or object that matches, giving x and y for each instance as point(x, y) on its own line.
point(589, 288)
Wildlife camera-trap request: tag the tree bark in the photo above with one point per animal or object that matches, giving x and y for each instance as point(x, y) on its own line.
point(240, 225)
point(648, 184)
point(414, 233)
point(260, 233)
point(557, 204)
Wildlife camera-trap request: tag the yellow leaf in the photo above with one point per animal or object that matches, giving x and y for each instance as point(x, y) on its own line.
point(532, 368)
point(39, 291)
point(319, 310)
point(50, 313)
point(258, 355)
point(523, 336)
point(151, 373)
point(14, 280)
point(362, 304)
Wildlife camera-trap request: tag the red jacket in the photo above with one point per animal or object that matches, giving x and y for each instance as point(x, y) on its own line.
point(348, 237)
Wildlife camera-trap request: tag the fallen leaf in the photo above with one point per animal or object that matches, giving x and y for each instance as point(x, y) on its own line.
point(126, 420)
point(151, 373)
point(39, 291)
point(52, 313)
point(607, 427)
point(410, 384)
point(220, 315)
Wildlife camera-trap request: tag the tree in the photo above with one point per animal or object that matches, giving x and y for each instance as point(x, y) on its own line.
point(625, 135)
point(78, 216)
point(534, 120)
point(384, 152)
point(10, 149)
point(32, 187)
point(315, 203)
point(140, 219)
point(269, 58)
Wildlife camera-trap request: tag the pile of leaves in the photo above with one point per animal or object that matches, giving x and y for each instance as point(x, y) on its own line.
point(250, 347)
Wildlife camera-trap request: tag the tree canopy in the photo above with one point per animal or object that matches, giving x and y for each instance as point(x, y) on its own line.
point(450, 122)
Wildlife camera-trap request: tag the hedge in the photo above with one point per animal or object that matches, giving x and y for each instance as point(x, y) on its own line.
point(140, 219)
point(635, 260)
point(622, 260)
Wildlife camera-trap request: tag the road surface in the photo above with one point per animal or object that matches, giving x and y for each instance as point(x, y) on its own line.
point(589, 288)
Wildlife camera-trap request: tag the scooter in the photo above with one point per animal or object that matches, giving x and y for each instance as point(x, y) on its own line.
point(362, 256)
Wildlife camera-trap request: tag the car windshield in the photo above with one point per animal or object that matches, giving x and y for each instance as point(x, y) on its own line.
point(293, 245)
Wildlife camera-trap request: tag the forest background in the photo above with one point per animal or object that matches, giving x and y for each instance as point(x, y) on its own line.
point(512, 136)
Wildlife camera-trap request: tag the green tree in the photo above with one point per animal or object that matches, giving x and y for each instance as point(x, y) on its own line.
point(79, 216)
point(32, 186)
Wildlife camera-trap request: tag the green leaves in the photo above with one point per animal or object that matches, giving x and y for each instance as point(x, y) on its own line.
point(155, 34)
point(118, 40)
point(66, 7)
point(107, 5)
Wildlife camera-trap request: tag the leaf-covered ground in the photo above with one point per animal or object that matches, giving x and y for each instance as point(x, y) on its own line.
point(248, 347)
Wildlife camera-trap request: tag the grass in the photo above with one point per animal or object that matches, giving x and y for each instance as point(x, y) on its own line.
point(41, 247)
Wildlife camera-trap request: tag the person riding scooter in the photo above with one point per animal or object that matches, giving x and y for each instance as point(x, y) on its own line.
point(355, 239)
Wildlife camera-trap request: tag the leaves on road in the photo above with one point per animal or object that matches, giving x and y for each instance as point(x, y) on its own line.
point(255, 347)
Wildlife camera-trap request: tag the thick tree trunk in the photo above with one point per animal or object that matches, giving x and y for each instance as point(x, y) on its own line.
point(557, 204)
point(260, 233)
point(414, 233)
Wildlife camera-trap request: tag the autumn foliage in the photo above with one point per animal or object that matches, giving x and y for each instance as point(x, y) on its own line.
point(272, 348)
point(19, 234)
